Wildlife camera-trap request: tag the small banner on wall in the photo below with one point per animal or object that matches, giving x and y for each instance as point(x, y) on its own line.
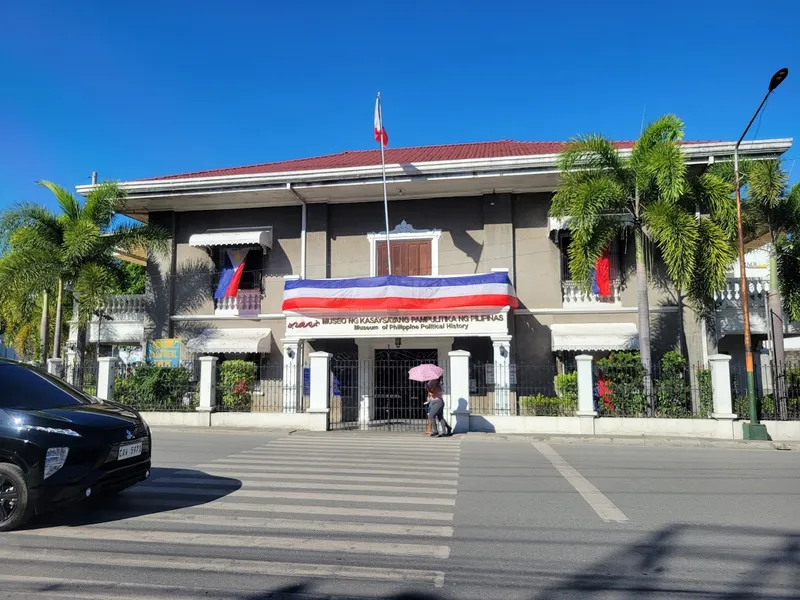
point(164, 352)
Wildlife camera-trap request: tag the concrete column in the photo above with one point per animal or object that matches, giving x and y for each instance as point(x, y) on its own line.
point(721, 386)
point(208, 384)
point(366, 384)
point(55, 366)
point(292, 377)
point(319, 409)
point(106, 371)
point(501, 345)
point(459, 390)
point(586, 412)
point(70, 366)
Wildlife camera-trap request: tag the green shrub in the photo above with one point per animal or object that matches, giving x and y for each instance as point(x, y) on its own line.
point(148, 387)
point(235, 385)
point(765, 406)
point(624, 377)
point(567, 387)
point(547, 406)
point(706, 399)
point(674, 397)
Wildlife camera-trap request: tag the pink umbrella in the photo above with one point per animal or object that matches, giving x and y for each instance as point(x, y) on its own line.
point(425, 373)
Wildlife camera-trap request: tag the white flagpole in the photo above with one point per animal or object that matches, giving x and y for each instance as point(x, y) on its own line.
point(385, 195)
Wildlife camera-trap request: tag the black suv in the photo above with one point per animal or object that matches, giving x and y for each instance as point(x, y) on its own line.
point(59, 445)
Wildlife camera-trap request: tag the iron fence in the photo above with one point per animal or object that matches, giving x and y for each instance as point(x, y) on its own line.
point(777, 391)
point(526, 389)
point(155, 388)
point(377, 394)
point(673, 390)
point(244, 386)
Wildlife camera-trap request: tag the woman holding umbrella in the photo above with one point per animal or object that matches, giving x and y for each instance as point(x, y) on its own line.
point(430, 375)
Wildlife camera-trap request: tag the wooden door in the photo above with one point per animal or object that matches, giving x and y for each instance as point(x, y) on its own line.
point(409, 257)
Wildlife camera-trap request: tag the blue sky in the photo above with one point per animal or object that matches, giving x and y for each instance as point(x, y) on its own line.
point(150, 88)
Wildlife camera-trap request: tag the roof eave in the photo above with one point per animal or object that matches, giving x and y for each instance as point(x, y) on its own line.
point(696, 153)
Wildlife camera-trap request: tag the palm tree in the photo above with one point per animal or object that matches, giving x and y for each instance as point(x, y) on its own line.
point(599, 186)
point(771, 209)
point(74, 249)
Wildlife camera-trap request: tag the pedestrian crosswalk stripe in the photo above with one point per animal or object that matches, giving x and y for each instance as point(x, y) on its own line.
point(301, 509)
point(292, 524)
point(219, 565)
point(313, 476)
point(304, 468)
point(220, 492)
point(98, 533)
point(350, 462)
point(313, 454)
point(303, 485)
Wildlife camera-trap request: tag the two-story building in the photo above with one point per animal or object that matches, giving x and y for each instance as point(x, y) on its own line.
point(454, 210)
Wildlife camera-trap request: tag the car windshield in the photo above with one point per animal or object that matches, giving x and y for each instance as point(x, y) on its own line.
point(28, 388)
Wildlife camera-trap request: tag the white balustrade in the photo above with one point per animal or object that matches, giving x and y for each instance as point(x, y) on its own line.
point(246, 302)
point(731, 294)
point(573, 295)
point(129, 307)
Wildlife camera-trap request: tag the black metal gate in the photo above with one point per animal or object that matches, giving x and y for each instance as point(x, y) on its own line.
point(376, 393)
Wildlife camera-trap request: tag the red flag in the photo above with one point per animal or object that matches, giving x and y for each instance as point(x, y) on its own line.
point(380, 133)
point(602, 275)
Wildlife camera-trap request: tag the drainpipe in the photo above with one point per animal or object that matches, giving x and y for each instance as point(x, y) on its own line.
point(303, 218)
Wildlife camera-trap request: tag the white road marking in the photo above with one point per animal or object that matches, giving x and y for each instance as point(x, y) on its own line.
point(313, 476)
point(300, 509)
point(352, 462)
point(304, 485)
point(242, 493)
point(606, 509)
point(226, 540)
point(292, 524)
point(220, 565)
point(300, 467)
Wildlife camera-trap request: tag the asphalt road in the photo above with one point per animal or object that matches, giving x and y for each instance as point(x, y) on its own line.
point(247, 515)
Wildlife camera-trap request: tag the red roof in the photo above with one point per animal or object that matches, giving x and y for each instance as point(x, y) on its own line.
point(417, 154)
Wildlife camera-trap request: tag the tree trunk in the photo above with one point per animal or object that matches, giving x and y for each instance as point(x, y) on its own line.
point(44, 329)
point(59, 310)
point(643, 305)
point(775, 322)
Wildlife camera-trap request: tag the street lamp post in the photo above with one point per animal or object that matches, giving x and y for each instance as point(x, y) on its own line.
point(752, 430)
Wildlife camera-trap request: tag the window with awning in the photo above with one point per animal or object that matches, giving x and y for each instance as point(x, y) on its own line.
point(232, 341)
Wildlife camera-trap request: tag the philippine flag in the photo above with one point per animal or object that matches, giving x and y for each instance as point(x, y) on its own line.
point(602, 275)
point(231, 274)
point(380, 133)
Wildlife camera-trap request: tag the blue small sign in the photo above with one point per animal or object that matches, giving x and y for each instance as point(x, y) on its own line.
point(306, 381)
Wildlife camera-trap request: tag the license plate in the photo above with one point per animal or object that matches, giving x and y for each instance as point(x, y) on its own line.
point(129, 450)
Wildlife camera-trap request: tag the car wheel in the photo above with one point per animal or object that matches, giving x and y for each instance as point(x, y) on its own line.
point(13, 497)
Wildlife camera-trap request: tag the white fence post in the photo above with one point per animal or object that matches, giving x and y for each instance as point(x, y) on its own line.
point(55, 366)
point(106, 370)
point(586, 412)
point(72, 358)
point(208, 384)
point(320, 391)
point(292, 376)
point(459, 390)
point(721, 386)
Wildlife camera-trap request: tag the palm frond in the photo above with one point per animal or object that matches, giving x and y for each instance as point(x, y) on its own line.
point(103, 202)
point(788, 258)
point(94, 284)
point(666, 168)
point(590, 152)
point(714, 255)
point(677, 235)
point(128, 237)
point(767, 182)
point(26, 214)
point(586, 246)
point(81, 238)
point(714, 193)
point(66, 200)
